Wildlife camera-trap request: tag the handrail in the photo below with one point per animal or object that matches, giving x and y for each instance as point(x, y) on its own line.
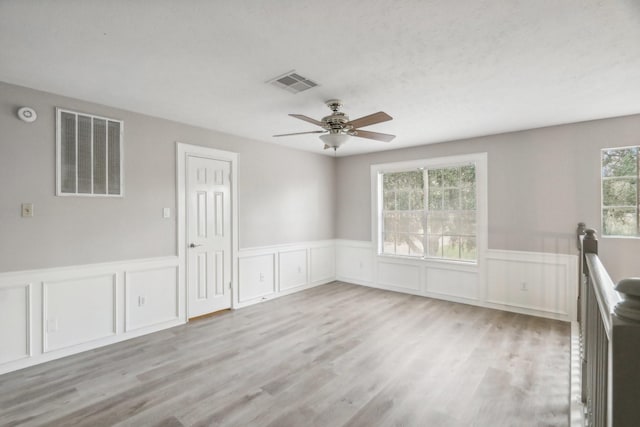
point(603, 288)
point(609, 340)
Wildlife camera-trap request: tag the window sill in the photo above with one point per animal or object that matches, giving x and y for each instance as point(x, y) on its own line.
point(435, 262)
point(620, 237)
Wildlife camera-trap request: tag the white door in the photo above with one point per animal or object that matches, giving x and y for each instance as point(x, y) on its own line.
point(208, 235)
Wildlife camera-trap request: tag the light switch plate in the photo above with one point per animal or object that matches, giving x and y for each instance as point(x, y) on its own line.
point(166, 212)
point(27, 210)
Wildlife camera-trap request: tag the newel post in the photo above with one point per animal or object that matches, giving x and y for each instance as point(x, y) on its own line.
point(580, 231)
point(629, 307)
point(590, 241)
point(625, 348)
point(589, 245)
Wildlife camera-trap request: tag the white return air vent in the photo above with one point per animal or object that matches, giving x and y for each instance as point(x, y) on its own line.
point(88, 155)
point(293, 82)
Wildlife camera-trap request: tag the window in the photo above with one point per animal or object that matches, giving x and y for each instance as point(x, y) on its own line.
point(620, 197)
point(88, 154)
point(429, 208)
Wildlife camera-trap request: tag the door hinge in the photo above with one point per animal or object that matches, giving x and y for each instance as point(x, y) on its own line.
point(229, 285)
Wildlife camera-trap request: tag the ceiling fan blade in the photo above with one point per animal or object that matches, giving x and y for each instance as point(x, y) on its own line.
point(300, 133)
point(373, 135)
point(308, 119)
point(371, 119)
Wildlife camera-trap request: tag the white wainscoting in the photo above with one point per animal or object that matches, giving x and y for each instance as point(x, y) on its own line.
point(50, 313)
point(539, 284)
point(151, 297)
point(78, 310)
point(272, 271)
point(15, 322)
point(532, 281)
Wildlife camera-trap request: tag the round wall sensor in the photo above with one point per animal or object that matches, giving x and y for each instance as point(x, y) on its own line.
point(27, 114)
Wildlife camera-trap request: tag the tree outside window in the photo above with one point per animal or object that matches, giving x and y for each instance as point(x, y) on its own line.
point(620, 192)
point(430, 213)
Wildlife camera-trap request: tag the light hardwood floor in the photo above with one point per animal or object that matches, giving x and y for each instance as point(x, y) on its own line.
point(335, 355)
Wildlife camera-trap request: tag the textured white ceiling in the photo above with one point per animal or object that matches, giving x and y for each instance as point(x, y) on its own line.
point(443, 69)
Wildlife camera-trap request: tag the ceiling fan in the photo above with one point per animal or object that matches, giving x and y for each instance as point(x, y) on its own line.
point(337, 128)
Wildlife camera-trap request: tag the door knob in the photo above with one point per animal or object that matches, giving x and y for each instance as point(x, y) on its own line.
point(193, 245)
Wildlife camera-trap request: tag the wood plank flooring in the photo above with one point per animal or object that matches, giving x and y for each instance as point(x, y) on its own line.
point(335, 355)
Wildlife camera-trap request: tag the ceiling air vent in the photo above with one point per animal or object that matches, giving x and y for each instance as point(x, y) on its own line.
point(293, 82)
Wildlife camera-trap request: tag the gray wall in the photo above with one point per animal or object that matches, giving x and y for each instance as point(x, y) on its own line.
point(542, 182)
point(285, 195)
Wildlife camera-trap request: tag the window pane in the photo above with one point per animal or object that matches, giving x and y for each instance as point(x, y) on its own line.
point(435, 178)
point(402, 200)
point(435, 246)
point(620, 162)
point(451, 199)
point(408, 244)
point(468, 175)
point(415, 244)
point(68, 153)
point(435, 199)
point(450, 177)
point(389, 243)
point(460, 223)
point(410, 222)
point(390, 222)
point(451, 247)
point(99, 156)
point(468, 249)
point(389, 200)
point(619, 192)
point(114, 157)
point(620, 221)
point(435, 222)
point(416, 200)
point(404, 180)
point(468, 198)
point(84, 154)
point(403, 244)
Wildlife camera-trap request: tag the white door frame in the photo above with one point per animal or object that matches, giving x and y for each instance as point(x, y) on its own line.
point(182, 151)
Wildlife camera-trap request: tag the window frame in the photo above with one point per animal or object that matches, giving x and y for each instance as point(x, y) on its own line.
point(603, 207)
point(59, 191)
point(479, 160)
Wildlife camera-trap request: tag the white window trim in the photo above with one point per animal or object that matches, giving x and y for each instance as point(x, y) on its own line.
point(480, 162)
point(59, 192)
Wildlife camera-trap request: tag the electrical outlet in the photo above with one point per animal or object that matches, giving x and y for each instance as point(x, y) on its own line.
point(166, 213)
point(262, 277)
point(141, 301)
point(27, 210)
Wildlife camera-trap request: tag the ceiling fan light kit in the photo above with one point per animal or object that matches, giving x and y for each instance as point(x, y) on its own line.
point(338, 128)
point(334, 140)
